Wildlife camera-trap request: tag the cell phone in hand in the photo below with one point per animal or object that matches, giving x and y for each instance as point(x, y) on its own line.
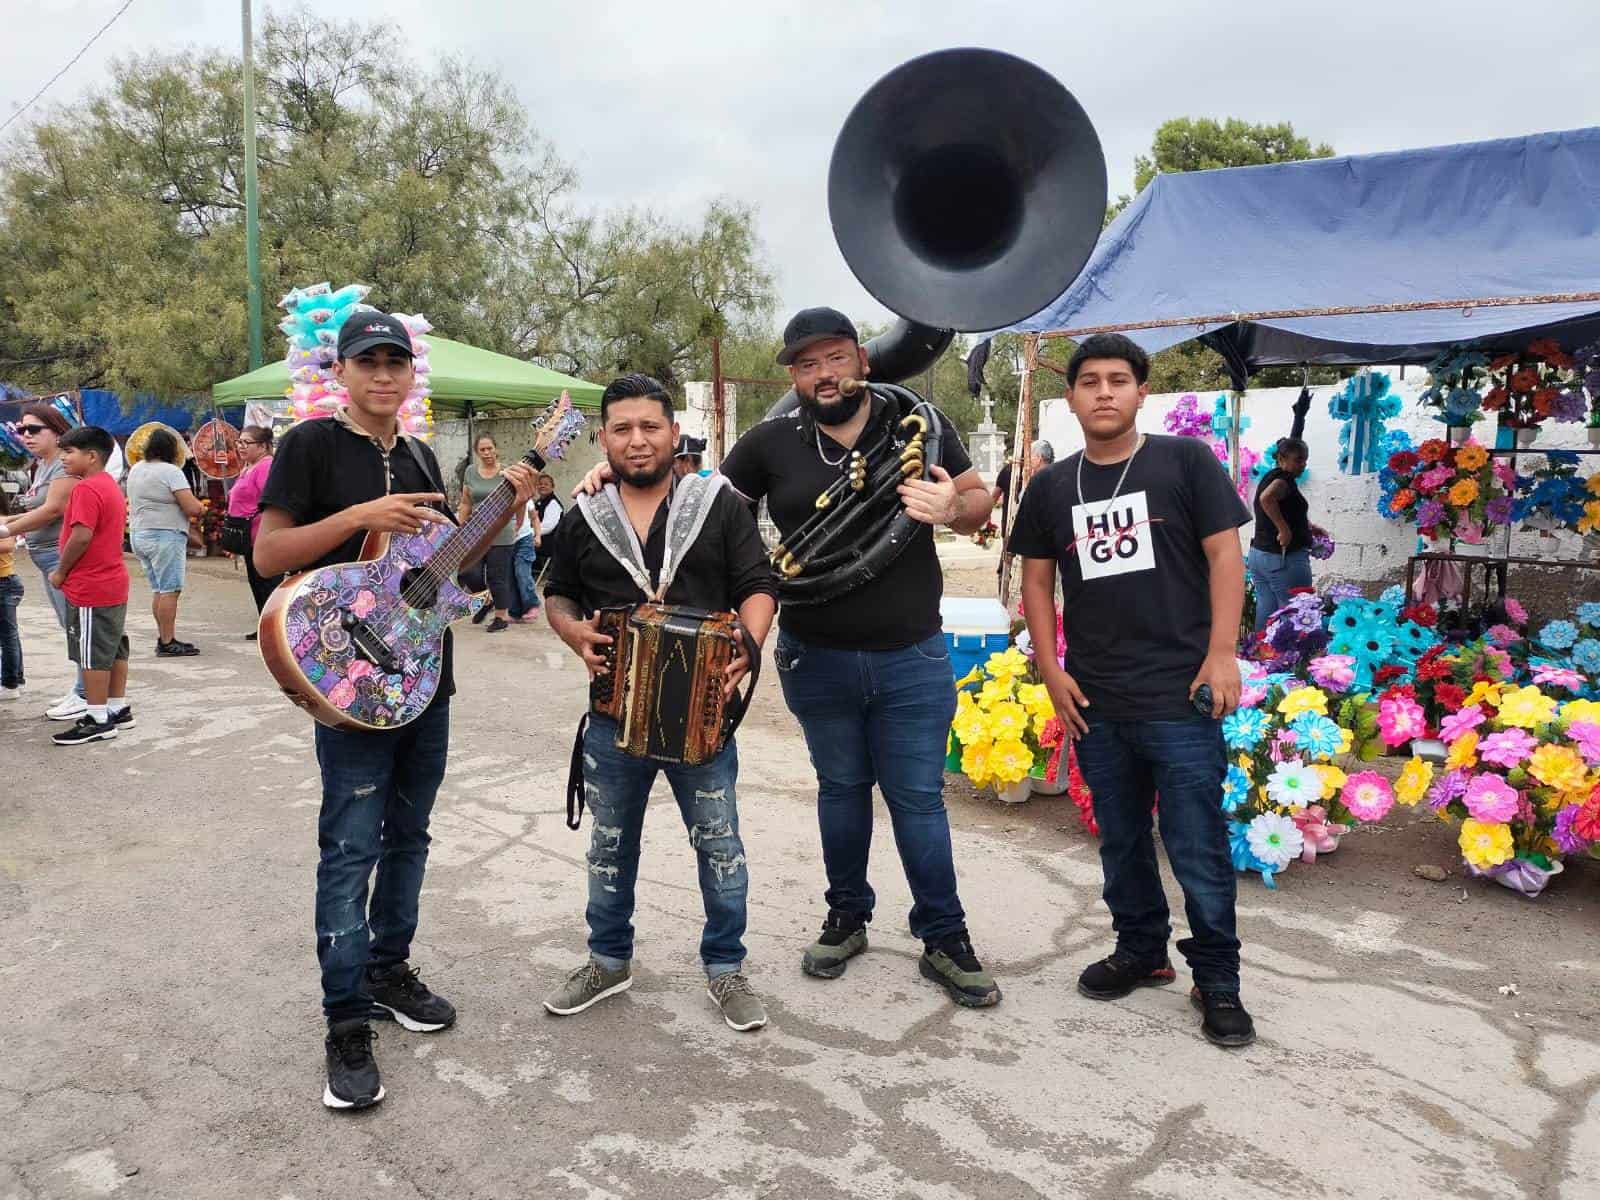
point(1203, 700)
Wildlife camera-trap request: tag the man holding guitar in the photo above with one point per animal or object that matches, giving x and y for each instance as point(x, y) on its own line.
point(333, 483)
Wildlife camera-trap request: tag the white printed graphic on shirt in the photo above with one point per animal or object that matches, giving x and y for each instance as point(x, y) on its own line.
point(1114, 539)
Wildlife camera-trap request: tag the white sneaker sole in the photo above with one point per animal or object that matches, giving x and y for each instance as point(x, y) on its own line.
point(731, 1023)
point(329, 1100)
point(411, 1023)
point(56, 715)
point(592, 1001)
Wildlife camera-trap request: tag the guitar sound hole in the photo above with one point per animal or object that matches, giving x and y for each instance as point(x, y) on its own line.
point(419, 588)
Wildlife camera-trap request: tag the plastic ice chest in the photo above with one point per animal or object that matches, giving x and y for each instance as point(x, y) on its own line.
point(974, 628)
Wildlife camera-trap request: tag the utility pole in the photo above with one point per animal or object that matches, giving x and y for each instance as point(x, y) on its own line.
point(252, 218)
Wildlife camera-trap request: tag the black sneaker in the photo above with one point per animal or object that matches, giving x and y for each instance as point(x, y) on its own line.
point(1114, 977)
point(397, 992)
point(498, 625)
point(951, 964)
point(175, 649)
point(85, 730)
point(123, 719)
point(353, 1080)
point(844, 935)
point(1226, 1023)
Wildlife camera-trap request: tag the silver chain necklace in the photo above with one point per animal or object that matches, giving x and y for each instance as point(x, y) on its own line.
point(830, 462)
point(1121, 479)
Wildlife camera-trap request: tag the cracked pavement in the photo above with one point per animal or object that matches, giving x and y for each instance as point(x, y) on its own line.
point(164, 1037)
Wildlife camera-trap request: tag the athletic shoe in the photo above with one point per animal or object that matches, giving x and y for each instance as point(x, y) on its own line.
point(175, 649)
point(353, 1080)
point(1226, 1023)
point(86, 730)
point(588, 985)
point(844, 935)
point(251, 636)
point(498, 625)
point(12, 693)
point(1114, 977)
point(951, 964)
point(69, 708)
point(399, 993)
point(124, 719)
point(741, 1007)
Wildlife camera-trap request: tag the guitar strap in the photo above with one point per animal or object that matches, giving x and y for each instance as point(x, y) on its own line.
point(429, 467)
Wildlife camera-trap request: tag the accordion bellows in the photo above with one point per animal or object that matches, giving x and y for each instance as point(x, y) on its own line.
point(665, 679)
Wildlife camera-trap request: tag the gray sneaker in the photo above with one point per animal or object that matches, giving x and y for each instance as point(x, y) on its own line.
point(588, 985)
point(951, 964)
point(842, 938)
point(741, 1007)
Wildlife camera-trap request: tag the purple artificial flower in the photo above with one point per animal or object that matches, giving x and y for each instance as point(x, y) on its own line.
point(1569, 405)
point(1502, 635)
point(1508, 748)
point(1498, 510)
point(1429, 514)
point(1568, 840)
point(1340, 592)
point(1452, 785)
point(1585, 736)
point(1554, 676)
point(1463, 722)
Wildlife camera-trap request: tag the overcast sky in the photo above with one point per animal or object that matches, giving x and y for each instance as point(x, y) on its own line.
point(669, 104)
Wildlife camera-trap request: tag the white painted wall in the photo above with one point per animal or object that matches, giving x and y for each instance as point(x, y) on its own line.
point(1369, 547)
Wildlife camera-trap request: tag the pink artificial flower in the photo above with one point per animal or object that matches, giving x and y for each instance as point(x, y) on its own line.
point(1400, 719)
point(1515, 611)
point(1502, 635)
point(1508, 749)
point(1558, 677)
point(1435, 479)
point(1465, 721)
point(1336, 672)
point(1490, 798)
point(1585, 736)
point(1469, 531)
point(1368, 796)
point(1507, 475)
point(1501, 661)
point(1251, 694)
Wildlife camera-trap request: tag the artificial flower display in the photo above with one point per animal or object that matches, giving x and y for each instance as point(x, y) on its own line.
point(1446, 491)
point(1005, 727)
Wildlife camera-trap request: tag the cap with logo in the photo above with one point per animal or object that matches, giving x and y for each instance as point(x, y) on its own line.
point(367, 329)
point(689, 447)
point(812, 325)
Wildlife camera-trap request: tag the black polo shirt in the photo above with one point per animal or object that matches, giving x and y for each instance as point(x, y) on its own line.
point(323, 467)
point(780, 460)
point(726, 565)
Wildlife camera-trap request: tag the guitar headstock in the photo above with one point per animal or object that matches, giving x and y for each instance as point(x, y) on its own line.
point(553, 432)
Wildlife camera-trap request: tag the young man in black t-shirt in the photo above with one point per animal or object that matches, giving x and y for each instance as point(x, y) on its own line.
point(868, 674)
point(1144, 532)
point(334, 481)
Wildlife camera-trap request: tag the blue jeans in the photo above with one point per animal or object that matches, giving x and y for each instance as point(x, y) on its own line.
point(1274, 576)
point(377, 794)
point(10, 643)
point(879, 716)
point(164, 555)
point(522, 559)
point(1125, 764)
point(616, 787)
point(47, 558)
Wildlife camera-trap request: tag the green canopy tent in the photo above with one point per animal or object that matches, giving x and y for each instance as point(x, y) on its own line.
point(465, 381)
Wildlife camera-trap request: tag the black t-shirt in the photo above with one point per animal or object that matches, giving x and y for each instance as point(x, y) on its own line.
point(1002, 483)
point(1134, 576)
point(321, 467)
point(1292, 503)
point(779, 460)
point(725, 566)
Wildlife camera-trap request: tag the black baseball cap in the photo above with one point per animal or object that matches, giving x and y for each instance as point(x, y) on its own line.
point(689, 446)
point(811, 325)
point(367, 329)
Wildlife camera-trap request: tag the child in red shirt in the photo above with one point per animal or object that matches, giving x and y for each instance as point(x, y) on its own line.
point(95, 581)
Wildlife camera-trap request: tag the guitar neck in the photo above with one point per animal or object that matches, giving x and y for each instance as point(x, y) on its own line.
point(483, 523)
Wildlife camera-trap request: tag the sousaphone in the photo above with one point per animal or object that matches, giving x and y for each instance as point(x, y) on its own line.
point(966, 191)
point(133, 451)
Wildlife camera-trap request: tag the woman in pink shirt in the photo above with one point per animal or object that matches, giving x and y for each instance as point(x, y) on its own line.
point(255, 448)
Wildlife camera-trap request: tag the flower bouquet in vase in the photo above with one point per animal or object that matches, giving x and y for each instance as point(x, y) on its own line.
point(1455, 388)
point(1553, 497)
point(1568, 651)
point(1447, 491)
point(1537, 386)
point(1004, 728)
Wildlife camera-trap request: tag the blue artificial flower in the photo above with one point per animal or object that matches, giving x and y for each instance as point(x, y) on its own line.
point(1244, 858)
point(1243, 728)
point(1347, 618)
point(1586, 656)
point(1558, 635)
point(1413, 640)
point(1315, 734)
point(1235, 788)
point(1589, 614)
point(1394, 595)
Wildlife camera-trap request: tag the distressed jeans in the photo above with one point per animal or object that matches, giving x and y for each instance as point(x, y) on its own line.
point(1125, 764)
point(377, 794)
point(879, 716)
point(616, 787)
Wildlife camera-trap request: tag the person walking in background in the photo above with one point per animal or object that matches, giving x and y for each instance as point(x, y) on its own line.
point(11, 678)
point(524, 554)
point(162, 505)
point(481, 480)
point(244, 502)
point(1280, 546)
point(43, 502)
point(1040, 455)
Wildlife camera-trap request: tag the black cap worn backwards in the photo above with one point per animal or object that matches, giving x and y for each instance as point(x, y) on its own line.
point(811, 325)
point(367, 329)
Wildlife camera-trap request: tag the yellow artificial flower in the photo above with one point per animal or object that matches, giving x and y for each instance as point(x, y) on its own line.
point(1590, 521)
point(1527, 707)
point(1593, 485)
point(1485, 691)
point(1035, 697)
point(1346, 740)
point(1415, 779)
point(1558, 767)
point(975, 761)
point(1333, 779)
point(1485, 844)
point(996, 691)
point(1581, 710)
point(1008, 664)
point(972, 676)
point(1246, 763)
point(1471, 457)
point(1464, 492)
point(1463, 752)
point(1010, 761)
point(971, 725)
point(1008, 721)
point(1303, 699)
point(1040, 720)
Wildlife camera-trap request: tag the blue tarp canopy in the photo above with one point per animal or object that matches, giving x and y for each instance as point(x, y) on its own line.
point(108, 410)
point(1219, 255)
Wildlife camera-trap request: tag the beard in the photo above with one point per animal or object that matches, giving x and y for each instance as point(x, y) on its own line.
point(640, 477)
point(837, 413)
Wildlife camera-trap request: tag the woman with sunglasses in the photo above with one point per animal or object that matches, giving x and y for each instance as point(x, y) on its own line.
point(244, 501)
point(43, 502)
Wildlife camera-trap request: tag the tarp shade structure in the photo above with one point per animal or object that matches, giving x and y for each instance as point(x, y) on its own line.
point(1516, 217)
point(108, 410)
point(460, 375)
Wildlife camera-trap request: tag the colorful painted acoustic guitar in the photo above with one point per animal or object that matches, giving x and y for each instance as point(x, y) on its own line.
point(360, 645)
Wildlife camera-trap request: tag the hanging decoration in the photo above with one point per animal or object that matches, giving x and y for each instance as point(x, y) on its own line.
point(1364, 404)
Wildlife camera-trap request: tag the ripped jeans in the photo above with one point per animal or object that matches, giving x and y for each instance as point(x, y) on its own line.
point(377, 794)
point(616, 787)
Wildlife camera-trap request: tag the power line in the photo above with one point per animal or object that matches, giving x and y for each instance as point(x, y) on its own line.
point(127, 4)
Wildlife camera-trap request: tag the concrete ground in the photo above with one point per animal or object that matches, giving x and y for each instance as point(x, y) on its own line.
point(162, 1034)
